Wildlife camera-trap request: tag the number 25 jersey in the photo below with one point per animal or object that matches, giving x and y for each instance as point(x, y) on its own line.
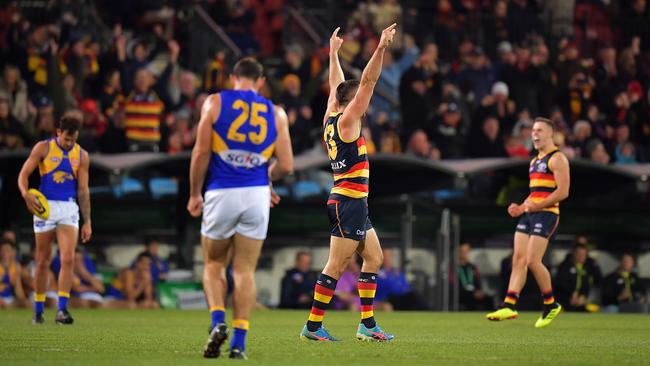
point(243, 140)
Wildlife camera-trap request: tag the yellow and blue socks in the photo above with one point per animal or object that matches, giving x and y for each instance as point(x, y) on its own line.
point(63, 300)
point(367, 286)
point(511, 299)
point(39, 303)
point(240, 327)
point(218, 315)
point(323, 292)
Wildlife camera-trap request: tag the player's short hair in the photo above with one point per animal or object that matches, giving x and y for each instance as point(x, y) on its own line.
point(70, 122)
point(248, 68)
point(547, 121)
point(346, 91)
point(143, 255)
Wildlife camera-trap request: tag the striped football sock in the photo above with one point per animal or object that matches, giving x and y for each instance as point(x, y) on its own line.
point(511, 299)
point(548, 297)
point(367, 286)
point(323, 292)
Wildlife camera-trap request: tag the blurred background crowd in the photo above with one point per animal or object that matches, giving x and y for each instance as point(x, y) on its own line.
point(465, 78)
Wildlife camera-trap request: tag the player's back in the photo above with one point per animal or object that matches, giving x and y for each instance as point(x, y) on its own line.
point(243, 141)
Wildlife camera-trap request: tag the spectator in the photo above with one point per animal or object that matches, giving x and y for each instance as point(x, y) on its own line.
point(45, 123)
point(94, 125)
point(346, 295)
point(86, 287)
point(159, 266)
point(15, 90)
point(181, 132)
point(11, 289)
point(471, 295)
point(420, 147)
point(393, 288)
point(477, 76)
point(384, 106)
point(575, 278)
point(295, 63)
point(420, 90)
point(133, 288)
point(581, 137)
point(497, 104)
point(299, 113)
point(520, 144)
point(449, 133)
point(622, 289)
point(488, 144)
point(143, 112)
point(12, 135)
point(298, 284)
point(596, 152)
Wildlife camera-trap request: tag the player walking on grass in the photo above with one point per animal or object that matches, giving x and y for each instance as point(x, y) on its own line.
point(238, 133)
point(348, 201)
point(63, 166)
point(540, 217)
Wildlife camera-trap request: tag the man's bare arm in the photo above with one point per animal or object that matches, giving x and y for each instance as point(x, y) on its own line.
point(283, 151)
point(336, 75)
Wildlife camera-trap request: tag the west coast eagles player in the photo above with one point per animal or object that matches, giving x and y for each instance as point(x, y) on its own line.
point(63, 166)
point(238, 133)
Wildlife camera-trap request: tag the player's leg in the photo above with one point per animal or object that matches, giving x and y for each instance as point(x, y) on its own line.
point(66, 237)
point(42, 257)
point(246, 252)
point(373, 257)
point(536, 249)
point(508, 310)
point(341, 250)
point(215, 257)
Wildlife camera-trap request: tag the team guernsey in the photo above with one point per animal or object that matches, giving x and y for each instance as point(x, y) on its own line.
point(348, 201)
point(237, 197)
point(58, 172)
point(542, 183)
point(243, 140)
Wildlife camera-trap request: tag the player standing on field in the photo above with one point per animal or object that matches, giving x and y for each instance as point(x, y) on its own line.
point(238, 133)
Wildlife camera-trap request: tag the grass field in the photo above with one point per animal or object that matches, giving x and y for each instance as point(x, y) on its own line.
point(112, 337)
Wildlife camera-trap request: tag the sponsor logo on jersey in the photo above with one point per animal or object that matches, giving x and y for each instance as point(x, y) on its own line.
point(242, 158)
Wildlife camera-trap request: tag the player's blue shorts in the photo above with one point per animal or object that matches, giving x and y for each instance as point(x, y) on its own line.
point(349, 218)
point(542, 223)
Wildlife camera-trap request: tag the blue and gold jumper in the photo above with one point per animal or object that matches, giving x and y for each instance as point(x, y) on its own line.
point(59, 171)
point(243, 141)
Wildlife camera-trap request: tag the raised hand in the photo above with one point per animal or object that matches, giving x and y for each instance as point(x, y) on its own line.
point(387, 36)
point(335, 40)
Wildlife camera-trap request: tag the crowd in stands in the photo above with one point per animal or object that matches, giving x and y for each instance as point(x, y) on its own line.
point(465, 78)
point(131, 287)
point(578, 282)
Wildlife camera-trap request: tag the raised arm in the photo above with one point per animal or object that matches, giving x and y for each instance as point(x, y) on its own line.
point(201, 153)
point(560, 167)
point(283, 151)
point(38, 153)
point(83, 196)
point(359, 104)
point(336, 75)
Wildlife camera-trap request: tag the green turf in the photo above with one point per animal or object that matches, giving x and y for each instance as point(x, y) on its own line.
point(111, 337)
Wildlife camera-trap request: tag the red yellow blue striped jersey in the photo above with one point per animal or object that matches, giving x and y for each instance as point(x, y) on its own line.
point(542, 181)
point(349, 161)
point(59, 171)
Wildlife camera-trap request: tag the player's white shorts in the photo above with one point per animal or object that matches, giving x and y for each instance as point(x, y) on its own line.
point(61, 213)
point(91, 296)
point(8, 300)
point(236, 210)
